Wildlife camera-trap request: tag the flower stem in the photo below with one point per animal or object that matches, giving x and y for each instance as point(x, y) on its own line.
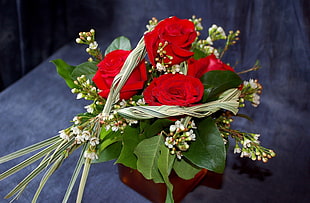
point(83, 180)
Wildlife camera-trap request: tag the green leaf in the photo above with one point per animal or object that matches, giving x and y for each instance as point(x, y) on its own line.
point(131, 139)
point(157, 127)
point(110, 145)
point(88, 69)
point(118, 43)
point(109, 153)
point(185, 170)
point(198, 54)
point(165, 163)
point(104, 133)
point(217, 81)
point(208, 151)
point(64, 70)
point(109, 139)
point(148, 152)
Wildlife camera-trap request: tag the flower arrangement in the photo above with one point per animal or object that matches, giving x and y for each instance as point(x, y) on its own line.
point(171, 110)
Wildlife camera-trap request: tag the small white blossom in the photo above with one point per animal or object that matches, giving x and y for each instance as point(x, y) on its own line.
point(141, 101)
point(256, 100)
point(179, 155)
point(131, 122)
point(86, 135)
point(182, 128)
point(256, 136)
point(253, 83)
point(190, 134)
point(76, 120)
point(111, 116)
point(247, 143)
point(64, 135)
point(169, 142)
point(221, 31)
point(237, 150)
point(160, 67)
point(94, 141)
point(90, 155)
point(115, 128)
point(176, 69)
point(216, 53)
point(78, 40)
point(179, 126)
point(245, 154)
point(172, 128)
point(93, 45)
point(193, 125)
point(93, 89)
point(79, 139)
point(123, 103)
point(199, 26)
point(74, 90)
point(209, 40)
point(213, 27)
point(79, 96)
point(150, 27)
point(107, 127)
point(76, 130)
point(89, 108)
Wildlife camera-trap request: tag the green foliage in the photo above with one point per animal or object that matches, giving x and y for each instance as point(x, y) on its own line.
point(88, 69)
point(148, 152)
point(131, 138)
point(70, 73)
point(64, 70)
point(198, 54)
point(208, 151)
point(157, 127)
point(217, 81)
point(165, 163)
point(109, 153)
point(119, 43)
point(109, 147)
point(185, 170)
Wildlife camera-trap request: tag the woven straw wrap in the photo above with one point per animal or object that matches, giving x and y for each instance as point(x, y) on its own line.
point(228, 100)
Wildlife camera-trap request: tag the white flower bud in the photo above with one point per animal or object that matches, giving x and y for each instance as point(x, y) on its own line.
point(209, 40)
point(172, 128)
point(79, 96)
point(73, 90)
point(78, 40)
point(93, 45)
point(90, 155)
point(182, 128)
point(160, 67)
point(86, 135)
point(94, 141)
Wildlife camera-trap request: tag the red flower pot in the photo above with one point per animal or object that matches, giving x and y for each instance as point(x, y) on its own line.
point(156, 192)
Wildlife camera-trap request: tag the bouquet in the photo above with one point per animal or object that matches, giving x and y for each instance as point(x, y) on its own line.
point(165, 105)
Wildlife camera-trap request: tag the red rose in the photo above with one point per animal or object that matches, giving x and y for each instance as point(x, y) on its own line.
point(197, 68)
point(110, 66)
point(174, 89)
point(175, 36)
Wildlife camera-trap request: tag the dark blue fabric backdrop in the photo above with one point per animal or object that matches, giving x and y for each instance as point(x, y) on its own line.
point(274, 32)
